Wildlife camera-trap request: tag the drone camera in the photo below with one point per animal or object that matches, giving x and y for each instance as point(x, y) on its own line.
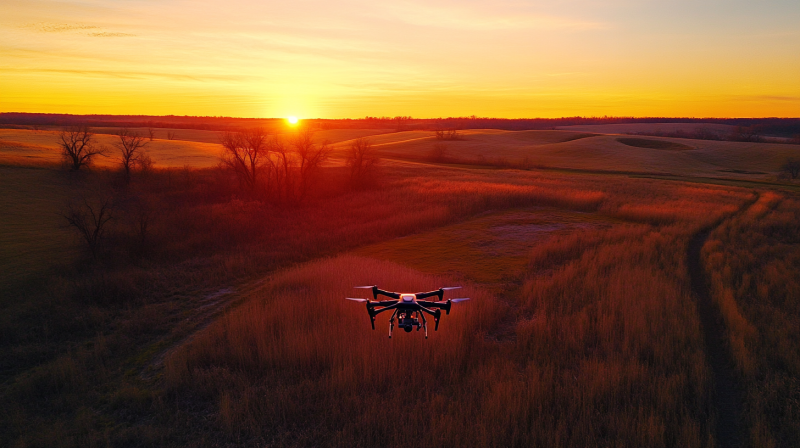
point(408, 323)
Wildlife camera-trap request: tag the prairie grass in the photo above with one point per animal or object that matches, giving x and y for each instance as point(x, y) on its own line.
point(573, 150)
point(754, 260)
point(582, 331)
point(600, 345)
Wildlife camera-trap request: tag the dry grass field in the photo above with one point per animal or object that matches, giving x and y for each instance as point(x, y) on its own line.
point(222, 322)
point(754, 261)
point(635, 128)
point(597, 344)
point(491, 250)
point(582, 151)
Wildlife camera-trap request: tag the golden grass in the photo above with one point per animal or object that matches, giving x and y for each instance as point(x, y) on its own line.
point(489, 250)
point(43, 147)
point(584, 337)
point(599, 153)
point(625, 128)
point(600, 346)
point(754, 260)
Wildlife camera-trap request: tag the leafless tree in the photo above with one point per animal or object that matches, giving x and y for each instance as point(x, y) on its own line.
point(792, 166)
point(283, 173)
point(77, 146)
point(130, 145)
point(362, 160)
point(89, 221)
point(447, 134)
point(246, 153)
point(438, 153)
point(151, 134)
point(310, 157)
point(141, 217)
point(170, 135)
point(145, 163)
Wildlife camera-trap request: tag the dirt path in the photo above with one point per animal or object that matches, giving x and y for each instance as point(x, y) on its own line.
point(727, 397)
point(202, 311)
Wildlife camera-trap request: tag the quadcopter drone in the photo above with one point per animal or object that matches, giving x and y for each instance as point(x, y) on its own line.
point(408, 308)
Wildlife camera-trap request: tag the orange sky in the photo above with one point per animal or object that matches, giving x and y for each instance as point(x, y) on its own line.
point(421, 58)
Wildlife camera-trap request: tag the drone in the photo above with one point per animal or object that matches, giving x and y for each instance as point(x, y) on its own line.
point(408, 308)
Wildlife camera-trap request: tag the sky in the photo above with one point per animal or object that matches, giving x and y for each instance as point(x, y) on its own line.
point(420, 58)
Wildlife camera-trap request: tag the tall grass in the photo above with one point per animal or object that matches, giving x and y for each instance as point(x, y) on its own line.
point(600, 346)
point(754, 260)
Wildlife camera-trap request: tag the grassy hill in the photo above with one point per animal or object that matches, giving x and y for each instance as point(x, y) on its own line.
point(583, 151)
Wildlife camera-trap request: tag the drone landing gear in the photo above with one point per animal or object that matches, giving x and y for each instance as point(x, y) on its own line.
point(424, 324)
point(391, 323)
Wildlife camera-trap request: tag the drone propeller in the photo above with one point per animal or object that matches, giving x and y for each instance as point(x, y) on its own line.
point(450, 287)
point(460, 299)
point(363, 287)
point(356, 300)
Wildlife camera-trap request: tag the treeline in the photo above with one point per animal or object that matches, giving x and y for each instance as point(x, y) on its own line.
point(773, 127)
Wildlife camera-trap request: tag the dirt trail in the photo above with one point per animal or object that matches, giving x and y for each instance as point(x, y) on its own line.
point(202, 311)
point(727, 397)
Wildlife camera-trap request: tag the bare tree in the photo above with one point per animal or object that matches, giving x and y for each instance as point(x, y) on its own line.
point(145, 163)
point(89, 221)
point(246, 153)
point(310, 157)
point(362, 160)
point(282, 167)
point(438, 153)
point(151, 134)
point(447, 134)
point(170, 135)
point(141, 217)
point(77, 146)
point(792, 166)
point(130, 145)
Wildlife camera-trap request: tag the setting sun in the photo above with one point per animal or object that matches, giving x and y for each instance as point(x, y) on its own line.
point(292, 120)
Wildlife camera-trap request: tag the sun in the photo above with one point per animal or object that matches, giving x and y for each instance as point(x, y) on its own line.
point(292, 120)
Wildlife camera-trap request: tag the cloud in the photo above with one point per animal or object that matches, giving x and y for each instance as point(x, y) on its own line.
point(107, 34)
point(48, 27)
point(45, 27)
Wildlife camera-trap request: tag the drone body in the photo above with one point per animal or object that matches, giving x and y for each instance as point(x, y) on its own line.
point(408, 308)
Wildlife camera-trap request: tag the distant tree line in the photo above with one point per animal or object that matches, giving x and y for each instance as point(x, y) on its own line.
point(775, 127)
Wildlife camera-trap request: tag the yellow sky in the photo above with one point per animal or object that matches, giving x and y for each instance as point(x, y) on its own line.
point(352, 58)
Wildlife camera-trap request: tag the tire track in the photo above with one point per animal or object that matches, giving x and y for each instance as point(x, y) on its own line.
point(727, 398)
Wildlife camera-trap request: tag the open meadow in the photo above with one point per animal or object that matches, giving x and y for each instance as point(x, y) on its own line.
point(608, 308)
point(592, 152)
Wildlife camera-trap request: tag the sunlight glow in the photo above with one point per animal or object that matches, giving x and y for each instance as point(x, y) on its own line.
point(292, 120)
point(425, 59)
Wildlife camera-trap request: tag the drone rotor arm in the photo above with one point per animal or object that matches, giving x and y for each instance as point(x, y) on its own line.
point(425, 295)
point(374, 312)
point(428, 304)
point(381, 292)
point(384, 303)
